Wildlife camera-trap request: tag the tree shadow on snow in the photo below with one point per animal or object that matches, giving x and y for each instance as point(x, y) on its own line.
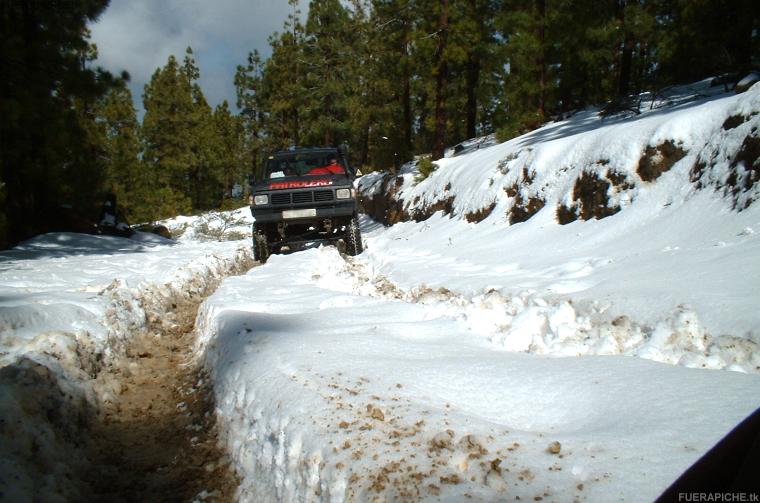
point(67, 244)
point(241, 332)
point(589, 120)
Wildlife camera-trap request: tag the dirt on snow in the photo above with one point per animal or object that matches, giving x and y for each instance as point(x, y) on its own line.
point(156, 438)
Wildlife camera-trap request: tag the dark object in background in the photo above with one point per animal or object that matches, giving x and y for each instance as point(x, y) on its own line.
point(731, 466)
point(65, 218)
point(111, 221)
point(744, 84)
point(160, 230)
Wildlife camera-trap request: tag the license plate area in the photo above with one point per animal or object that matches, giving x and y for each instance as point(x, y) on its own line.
point(304, 213)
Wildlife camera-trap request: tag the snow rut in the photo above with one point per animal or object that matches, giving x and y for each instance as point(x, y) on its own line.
point(533, 324)
point(127, 420)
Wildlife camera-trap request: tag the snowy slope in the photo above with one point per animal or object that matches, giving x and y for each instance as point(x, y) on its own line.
point(675, 256)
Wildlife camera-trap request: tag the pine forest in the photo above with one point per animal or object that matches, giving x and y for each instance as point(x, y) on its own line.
point(391, 79)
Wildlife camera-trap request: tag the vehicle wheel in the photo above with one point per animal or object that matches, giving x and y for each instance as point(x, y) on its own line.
point(260, 248)
point(353, 238)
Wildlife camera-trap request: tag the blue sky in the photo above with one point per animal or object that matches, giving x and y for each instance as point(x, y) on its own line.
point(139, 35)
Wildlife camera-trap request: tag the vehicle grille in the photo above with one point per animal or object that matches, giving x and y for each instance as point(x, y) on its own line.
point(323, 195)
point(281, 198)
point(303, 197)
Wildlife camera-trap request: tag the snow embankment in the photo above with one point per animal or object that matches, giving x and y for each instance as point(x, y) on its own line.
point(589, 167)
point(618, 235)
point(332, 384)
point(70, 304)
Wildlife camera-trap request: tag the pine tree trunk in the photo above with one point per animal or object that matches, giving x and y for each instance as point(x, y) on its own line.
point(626, 57)
point(407, 104)
point(473, 76)
point(296, 126)
point(541, 7)
point(441, 82)
point(364, 156)
point(626, 54)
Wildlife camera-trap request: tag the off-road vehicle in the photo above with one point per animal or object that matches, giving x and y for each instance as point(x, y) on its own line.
point(304, 196)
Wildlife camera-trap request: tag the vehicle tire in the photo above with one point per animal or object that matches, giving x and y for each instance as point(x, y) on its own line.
point(260, 248)
point(353, 238)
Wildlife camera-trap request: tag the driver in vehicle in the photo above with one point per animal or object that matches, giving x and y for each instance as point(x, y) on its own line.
point(331, 168)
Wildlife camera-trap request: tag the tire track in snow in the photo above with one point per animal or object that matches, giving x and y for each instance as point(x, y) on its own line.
point(128, 421)
point(559, 327)
point(155, 437)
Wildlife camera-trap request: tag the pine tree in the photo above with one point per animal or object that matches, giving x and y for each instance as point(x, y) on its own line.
point(125, 175)
point(441, 80)
point(228, 130)
point(524, 28)
point(389, 73)
point(45, 91)
point(167, 134)
point(204, 182)
point(426, 58)
point(480, 54)
point(253, 117)
point(359, 84)
point(470, 54)
point(328, 72)
point(284, 82)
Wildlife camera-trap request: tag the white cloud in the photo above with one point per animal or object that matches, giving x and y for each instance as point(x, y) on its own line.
point(139, 35)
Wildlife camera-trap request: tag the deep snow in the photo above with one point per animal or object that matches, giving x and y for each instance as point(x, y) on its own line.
point(332, 392)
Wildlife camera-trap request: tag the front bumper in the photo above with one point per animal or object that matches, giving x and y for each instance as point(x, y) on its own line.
point(267, 215)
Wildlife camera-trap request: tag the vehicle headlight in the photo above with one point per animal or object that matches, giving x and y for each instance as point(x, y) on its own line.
point(343, 193)
point(259, 200)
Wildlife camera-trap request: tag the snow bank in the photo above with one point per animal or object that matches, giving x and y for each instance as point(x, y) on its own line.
point(70, 303)
point(95, 289)
point(536, 323)
point(333, 386)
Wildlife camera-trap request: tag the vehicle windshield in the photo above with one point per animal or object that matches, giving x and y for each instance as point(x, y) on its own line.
point(303, 164)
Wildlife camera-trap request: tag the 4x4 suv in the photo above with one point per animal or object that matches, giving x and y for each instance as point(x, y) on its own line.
point(304, 196)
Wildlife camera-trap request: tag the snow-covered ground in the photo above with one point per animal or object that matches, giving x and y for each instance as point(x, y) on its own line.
point(452, 360)
point(333, 386)
point(69, 304)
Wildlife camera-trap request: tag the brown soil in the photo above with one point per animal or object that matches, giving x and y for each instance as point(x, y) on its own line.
point(481, 214)
point(590, 197)
point(657, 160)
point(524, 209)
point(383, 206)
point(155, 438)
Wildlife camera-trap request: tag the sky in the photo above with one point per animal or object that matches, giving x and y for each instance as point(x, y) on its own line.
point(139, 36)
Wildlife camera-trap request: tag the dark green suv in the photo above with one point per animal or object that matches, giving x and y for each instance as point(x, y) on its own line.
point(304, 196)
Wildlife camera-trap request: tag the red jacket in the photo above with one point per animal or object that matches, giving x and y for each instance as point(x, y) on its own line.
point(330, 169)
